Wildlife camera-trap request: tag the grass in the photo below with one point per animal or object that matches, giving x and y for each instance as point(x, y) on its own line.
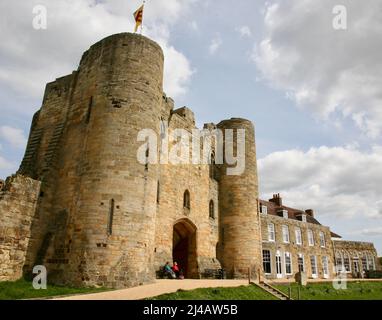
point(239, 293)
point(23, 289)
point(325, 291)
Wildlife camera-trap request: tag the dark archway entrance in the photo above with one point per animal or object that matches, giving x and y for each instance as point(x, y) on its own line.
point(184, 247)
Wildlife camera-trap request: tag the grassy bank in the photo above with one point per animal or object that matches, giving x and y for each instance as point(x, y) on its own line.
point(22, 289)
point(238, 293)
point(325, 291)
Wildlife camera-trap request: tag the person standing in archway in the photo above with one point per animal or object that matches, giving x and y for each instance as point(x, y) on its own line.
point(175, 268)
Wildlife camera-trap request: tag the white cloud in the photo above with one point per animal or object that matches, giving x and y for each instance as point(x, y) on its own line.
point(322, 69)
point(14, 136)
point(244, 31)
point(215, 44)
point(30, 58)
point(377, 231)
point(338, 181)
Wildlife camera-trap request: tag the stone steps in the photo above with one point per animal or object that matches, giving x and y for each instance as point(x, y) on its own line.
point(51, 152)
point(273, 291)
point(32, 148)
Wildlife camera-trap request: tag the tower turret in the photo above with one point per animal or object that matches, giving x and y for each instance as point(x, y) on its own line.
point(100, 201)
point(240, 240)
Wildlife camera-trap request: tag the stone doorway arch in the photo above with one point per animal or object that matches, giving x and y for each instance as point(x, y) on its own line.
point(184, 247)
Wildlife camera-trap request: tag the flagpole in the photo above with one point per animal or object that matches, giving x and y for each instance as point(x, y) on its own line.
point(144, 1)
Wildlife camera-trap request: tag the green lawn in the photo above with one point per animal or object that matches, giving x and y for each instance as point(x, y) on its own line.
point(240, 293)
point(23, 289)
point(325, 291)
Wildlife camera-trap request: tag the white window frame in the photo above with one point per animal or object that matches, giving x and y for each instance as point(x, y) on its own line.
point(355, 264)
point(303, 218)
point(264, 210)
point(271, 232)
point(313, 258)
point(339, 267)
point(322, 240)
point(288, 255)
point(301, 256)
point(365, 264)
point(310, 237)
point(325, 267)
point(278, 256)
point(270, 261)
point(346, 257)
point(371, 261)
point(285, 214)
point(298, 235)
point(285, 231)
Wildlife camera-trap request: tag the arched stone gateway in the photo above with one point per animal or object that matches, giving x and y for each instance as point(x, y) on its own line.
point(184, 247)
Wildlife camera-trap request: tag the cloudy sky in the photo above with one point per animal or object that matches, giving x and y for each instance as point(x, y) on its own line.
point(313, 92)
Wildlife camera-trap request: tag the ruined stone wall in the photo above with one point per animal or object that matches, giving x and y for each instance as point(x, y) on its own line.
point(18, 198)
point(174, 180)
point(293, 248)
point(41, 162)
point(240, 238)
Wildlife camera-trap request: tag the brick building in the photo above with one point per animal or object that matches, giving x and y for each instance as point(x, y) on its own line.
point(82, 204)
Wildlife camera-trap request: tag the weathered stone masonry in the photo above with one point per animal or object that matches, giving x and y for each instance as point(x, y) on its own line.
point(18, 199)
point(83, 206)
point(102, 218)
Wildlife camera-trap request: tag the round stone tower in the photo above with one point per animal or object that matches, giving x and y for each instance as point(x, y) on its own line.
point(240, 239)
point(109, 194)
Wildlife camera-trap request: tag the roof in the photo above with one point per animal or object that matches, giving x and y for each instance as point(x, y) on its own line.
point(334, 235)
point(293, 213)
point(274, 207)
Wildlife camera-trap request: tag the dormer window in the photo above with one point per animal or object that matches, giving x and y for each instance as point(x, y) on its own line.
point(285, 214)
point(303, 218)
point(263, 209)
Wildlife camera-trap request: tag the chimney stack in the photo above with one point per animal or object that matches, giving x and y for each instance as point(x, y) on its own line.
point(309, 212)
point(277, 200)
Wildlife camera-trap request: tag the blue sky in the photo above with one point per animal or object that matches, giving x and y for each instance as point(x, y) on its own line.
point(314, 93)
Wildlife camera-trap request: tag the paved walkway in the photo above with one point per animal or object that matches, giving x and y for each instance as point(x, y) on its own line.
point(155, 289)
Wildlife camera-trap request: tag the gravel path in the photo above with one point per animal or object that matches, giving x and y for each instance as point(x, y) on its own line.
point(157, 288)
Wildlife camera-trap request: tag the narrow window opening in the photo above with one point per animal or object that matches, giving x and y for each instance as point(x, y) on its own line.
point(212, 165)
point(158, 191)
point(186, 200)
point(212, 209)
point(88, 115)
point(110, 218)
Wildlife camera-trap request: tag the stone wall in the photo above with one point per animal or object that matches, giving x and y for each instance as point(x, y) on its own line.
point(173, 181)
point(293, 248)
point(362, 256)
point(18, 198)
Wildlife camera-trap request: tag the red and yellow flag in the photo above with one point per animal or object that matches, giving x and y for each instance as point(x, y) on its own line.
point(138, 16)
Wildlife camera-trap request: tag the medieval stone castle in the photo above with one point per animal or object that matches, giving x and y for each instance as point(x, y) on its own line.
point(85, 208)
